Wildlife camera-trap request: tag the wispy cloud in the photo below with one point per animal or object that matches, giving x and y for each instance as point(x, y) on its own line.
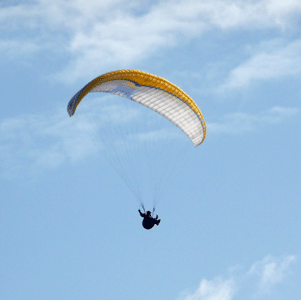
point(216, 289)
point(35, 142)
point(13, 48)
point(240, 122)
point(262, 278)
point(97, 35)
point(275, 61)
point(270, 271)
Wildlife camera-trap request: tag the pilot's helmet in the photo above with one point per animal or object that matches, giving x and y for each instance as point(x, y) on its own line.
point(149, 213)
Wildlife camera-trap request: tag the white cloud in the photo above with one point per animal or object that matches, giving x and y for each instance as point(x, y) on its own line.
point(97, 35)
point(271, 271)
point(34, 142)
point(38, 142)
point(242, 122)
point(262, 278)
point(14, 48)
point(217, 289)
point(274, 62)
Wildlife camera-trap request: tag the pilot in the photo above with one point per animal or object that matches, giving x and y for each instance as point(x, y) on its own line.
point(148, 221)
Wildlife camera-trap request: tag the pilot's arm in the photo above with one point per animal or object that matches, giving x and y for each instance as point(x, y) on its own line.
point(141, 214)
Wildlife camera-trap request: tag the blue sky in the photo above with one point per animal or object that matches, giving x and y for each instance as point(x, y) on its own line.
point(230, 230)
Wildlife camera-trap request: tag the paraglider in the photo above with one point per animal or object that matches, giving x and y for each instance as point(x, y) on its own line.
point(148, 221)
point(157, 95)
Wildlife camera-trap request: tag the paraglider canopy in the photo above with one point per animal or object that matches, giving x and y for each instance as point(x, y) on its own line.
point(153, 92)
